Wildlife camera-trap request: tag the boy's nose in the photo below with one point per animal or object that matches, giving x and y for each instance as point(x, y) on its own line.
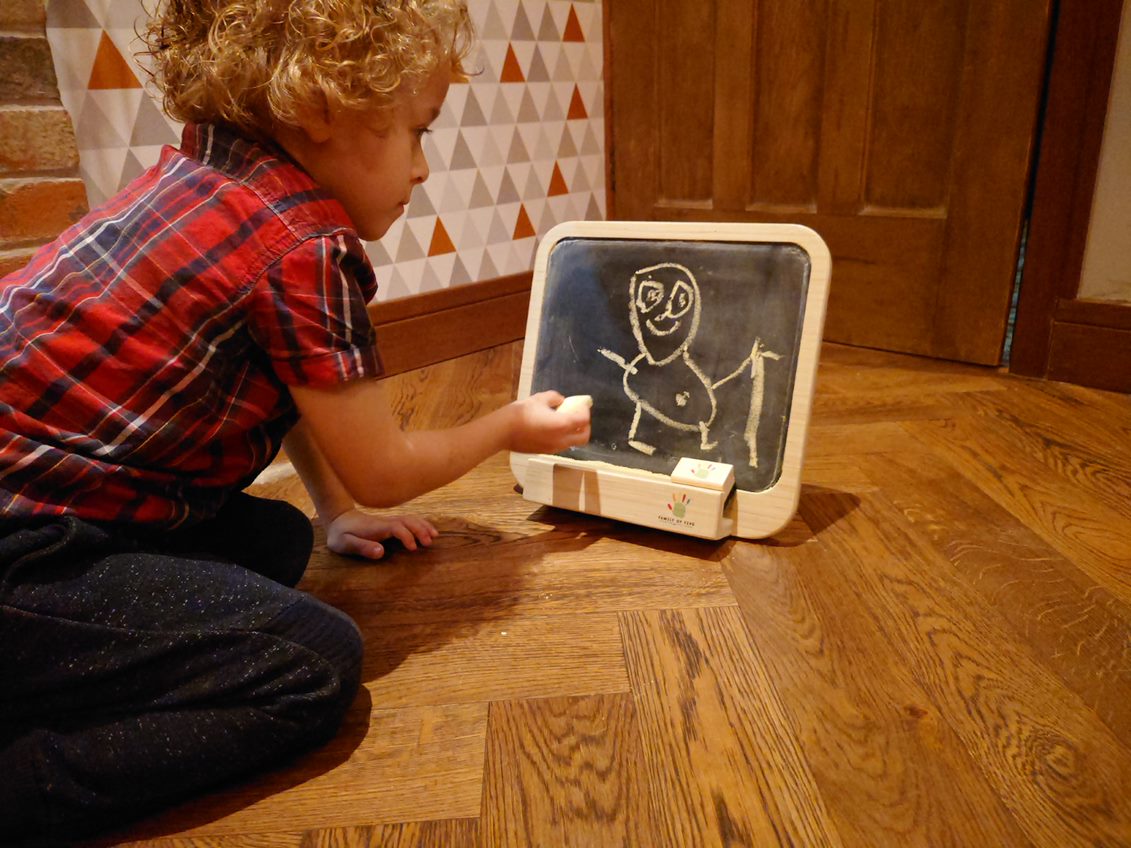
point(420, 169)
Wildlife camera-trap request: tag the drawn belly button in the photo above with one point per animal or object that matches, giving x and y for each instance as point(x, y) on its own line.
point(682, 398)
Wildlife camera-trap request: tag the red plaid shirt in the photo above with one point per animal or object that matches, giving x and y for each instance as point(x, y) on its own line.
point(145, 355)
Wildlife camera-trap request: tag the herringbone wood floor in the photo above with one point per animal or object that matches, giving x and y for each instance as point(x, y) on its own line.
point(936, 652)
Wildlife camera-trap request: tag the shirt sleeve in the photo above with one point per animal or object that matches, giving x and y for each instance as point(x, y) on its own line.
point(308, 313)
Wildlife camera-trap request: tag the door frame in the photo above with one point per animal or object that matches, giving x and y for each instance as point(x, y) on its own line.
point(1059, 335)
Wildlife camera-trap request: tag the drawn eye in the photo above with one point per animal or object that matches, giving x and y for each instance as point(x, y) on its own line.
point(649, 295)
point(681, 299)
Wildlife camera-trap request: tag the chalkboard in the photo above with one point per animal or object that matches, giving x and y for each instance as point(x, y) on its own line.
point(691, 338)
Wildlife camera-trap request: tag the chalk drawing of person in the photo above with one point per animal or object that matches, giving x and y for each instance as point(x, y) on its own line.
point(664, 380)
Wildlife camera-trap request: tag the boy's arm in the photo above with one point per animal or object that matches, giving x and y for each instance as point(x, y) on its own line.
point(330, 496)
point(380, 465)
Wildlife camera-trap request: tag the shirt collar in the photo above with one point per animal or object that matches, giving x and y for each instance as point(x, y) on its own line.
point(225, 148)
point(241, 157)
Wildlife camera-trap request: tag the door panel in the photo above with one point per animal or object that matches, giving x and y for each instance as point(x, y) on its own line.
point(908, 145)
point(901, 131)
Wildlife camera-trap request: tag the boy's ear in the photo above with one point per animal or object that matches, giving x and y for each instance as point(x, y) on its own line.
point(315, 125)
point(315, 120)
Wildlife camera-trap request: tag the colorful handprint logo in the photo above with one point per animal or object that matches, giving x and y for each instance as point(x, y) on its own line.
point(703, 470)
point(679, 505)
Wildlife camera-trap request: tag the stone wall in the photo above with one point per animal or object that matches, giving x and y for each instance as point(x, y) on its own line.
point(40, 190)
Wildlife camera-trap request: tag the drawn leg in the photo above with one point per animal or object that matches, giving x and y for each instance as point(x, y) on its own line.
point(703, 440)
point(643, 447)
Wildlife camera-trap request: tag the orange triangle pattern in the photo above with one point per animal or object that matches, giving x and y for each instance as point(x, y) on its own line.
point(576, 106)
point(557, 182)
point(110, 69)
point(573, 27)
point(512, 71)
point(522, 227)
point(441, 241)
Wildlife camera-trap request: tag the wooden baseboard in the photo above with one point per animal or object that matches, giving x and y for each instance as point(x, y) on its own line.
point(1112, 314)
point(1090, 355)
point(421, 330)
point(1088, 343)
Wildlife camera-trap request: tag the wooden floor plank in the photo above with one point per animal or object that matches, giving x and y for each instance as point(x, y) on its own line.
point(723, 759)
point(878, 404)
point(890, 771)
point(834, 471)
point(515, 657)
point(239, 840)
point(1053, 762)
point(1094, 457)
point(561, 563)
point(1094, 536)
point(452, 833)
point(1091, 406)
point(836, 440)
point(565, 772)
point(416, 763)
point(520, 580)
point(1101, 420)
point(1063, 615)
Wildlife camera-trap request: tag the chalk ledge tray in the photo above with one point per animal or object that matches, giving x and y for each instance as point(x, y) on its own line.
point(699, 344)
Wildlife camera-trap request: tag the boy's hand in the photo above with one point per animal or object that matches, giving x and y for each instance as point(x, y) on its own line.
point(541, 428)
point(356, 533)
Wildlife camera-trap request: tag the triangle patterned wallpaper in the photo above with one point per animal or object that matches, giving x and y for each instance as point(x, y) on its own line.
point(518, 149)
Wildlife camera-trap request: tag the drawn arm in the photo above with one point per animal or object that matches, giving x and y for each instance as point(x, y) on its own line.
point(757, 353)
point(617, 358)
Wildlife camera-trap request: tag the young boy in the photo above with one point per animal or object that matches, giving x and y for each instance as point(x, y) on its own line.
point(153, 359)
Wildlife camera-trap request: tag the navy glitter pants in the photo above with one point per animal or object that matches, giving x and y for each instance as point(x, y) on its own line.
point(136, 673)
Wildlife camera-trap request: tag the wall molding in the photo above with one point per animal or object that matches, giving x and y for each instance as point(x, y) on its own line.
point(1095, 355)
point(421, 330)
point(1059, 335)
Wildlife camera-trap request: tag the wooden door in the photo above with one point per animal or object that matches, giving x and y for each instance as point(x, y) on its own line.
point(900, 130)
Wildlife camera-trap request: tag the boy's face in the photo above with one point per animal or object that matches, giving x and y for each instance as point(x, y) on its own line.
point(371, 162)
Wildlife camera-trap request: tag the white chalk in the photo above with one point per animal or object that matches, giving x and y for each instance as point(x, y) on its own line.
point(574, 402)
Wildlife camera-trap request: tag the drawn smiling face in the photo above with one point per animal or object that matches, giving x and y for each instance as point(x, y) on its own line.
point(665, 310)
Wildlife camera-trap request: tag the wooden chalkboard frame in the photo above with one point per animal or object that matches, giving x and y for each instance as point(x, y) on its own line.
point(599, 488)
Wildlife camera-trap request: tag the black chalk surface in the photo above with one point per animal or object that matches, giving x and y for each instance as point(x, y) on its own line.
point(688, 348)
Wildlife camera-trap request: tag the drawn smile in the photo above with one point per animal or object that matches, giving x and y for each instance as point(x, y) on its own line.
point(656, 330)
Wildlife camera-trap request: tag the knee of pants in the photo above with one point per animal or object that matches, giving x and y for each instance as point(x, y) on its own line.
point(333, 637)
point(346, 650)
point(270, 537)
point(293, 558)
point(282, 538)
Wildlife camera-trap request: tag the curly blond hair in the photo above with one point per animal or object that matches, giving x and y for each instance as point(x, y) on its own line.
point(253, 63)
